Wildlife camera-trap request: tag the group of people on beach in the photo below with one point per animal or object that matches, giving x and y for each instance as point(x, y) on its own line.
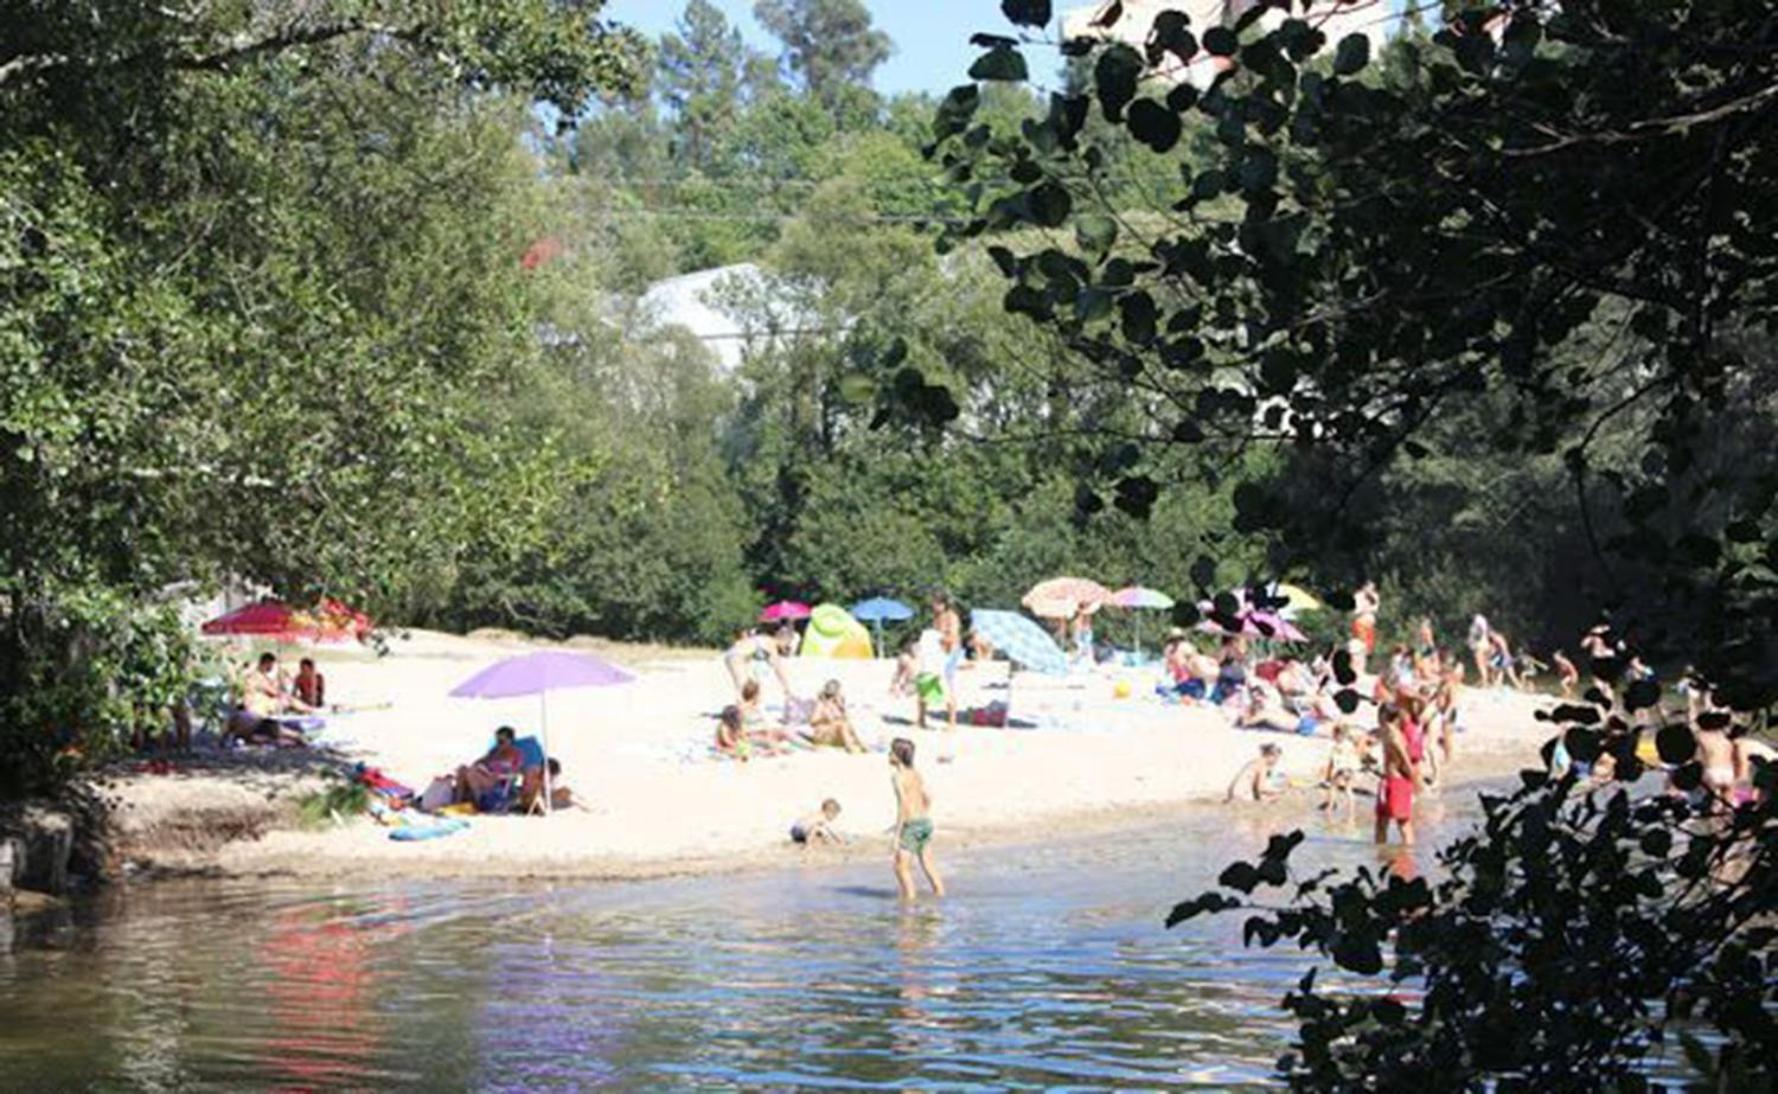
point(1408, 739)
point(509, 778)
point(925, 669)
point(263, 695)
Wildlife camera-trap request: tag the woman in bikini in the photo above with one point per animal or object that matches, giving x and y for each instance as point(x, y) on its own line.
point(753, 649)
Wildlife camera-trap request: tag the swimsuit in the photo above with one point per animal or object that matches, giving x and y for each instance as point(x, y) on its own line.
point(1395, 799)
point(798, 834)
point(916, 834)
point(1365, 630)
point(930, 688)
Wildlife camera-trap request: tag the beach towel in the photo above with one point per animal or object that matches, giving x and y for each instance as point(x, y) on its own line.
point(414, 832)
point(380, 783)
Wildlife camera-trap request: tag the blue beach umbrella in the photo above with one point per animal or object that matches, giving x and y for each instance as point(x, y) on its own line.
point(1021, 639)
point(879, 609)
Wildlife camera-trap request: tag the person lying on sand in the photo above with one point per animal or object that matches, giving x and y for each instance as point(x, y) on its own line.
point(817, 827)
point(1266, 709)
point(264, 731)
point(1259, 780)
point(829, 724)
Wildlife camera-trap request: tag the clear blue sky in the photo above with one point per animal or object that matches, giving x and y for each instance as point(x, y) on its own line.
point(932, 50)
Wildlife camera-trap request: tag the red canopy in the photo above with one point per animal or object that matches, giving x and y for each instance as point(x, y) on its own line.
point(331, 621)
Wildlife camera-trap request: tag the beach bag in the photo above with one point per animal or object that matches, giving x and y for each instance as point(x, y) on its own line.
point(437, 795)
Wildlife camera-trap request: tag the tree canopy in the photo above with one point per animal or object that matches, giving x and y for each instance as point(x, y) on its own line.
point(1549, 213)
point(1506, 260)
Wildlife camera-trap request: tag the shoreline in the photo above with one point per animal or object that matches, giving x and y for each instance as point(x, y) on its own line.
point(1092, 761)
point(1107, 821)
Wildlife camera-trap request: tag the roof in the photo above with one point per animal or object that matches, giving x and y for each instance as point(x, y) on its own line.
point(688, 301)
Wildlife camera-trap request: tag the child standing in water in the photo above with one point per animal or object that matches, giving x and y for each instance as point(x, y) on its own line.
point(913, 821)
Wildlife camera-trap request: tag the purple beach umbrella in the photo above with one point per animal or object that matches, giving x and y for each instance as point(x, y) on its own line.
point(539, 674)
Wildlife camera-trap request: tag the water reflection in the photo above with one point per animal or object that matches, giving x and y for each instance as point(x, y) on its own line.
point(1048, 967)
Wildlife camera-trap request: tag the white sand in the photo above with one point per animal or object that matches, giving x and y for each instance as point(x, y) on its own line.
point(638, 755)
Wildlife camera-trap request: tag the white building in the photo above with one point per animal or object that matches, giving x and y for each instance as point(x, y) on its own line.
point(1334, 18)
point(692, 301)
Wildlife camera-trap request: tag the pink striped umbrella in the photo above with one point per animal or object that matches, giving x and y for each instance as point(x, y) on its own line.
point(785, 611)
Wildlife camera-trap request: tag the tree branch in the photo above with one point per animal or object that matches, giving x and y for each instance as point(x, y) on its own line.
point(217, 57)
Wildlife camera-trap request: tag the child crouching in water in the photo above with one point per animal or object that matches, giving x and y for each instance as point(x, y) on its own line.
point(913, 821)
point(817, 827)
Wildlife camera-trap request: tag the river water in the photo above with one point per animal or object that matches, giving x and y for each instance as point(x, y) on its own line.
point(1047, 966)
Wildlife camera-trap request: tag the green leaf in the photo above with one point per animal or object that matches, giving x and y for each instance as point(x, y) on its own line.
point(857, 387)
point(1171, 33)
point(1000, 63)
point(1154, 125)
point(1115, 76)
point(1208, 185)
point(1049, 204)
point(1139, 313)
point(1182, 98)
point(1259, 170)
point(1027, 13)
point(1220, 41)
point(1092, 305)
point(1095, 232)
point(1699, 1057)
point(1353, 54)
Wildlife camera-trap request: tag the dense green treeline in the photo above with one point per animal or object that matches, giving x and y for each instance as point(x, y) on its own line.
point(334, 308)
point(794, 475)
point(259, 313)
point(813, 478)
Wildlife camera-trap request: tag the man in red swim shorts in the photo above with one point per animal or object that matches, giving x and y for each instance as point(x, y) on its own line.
point(1401, 773)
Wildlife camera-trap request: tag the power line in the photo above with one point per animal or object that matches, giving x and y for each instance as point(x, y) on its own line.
point(781, 218)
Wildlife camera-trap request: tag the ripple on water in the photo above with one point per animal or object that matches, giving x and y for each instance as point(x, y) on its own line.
point(1048, 968)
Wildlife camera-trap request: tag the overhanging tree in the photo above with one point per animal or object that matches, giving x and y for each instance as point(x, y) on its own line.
point(1557, 211)
point(258, 266)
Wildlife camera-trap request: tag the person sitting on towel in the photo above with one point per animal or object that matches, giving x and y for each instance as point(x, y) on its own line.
point(308, 692)
point(830, 725)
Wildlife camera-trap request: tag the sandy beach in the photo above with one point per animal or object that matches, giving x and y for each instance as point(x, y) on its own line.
point(1080, 756)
